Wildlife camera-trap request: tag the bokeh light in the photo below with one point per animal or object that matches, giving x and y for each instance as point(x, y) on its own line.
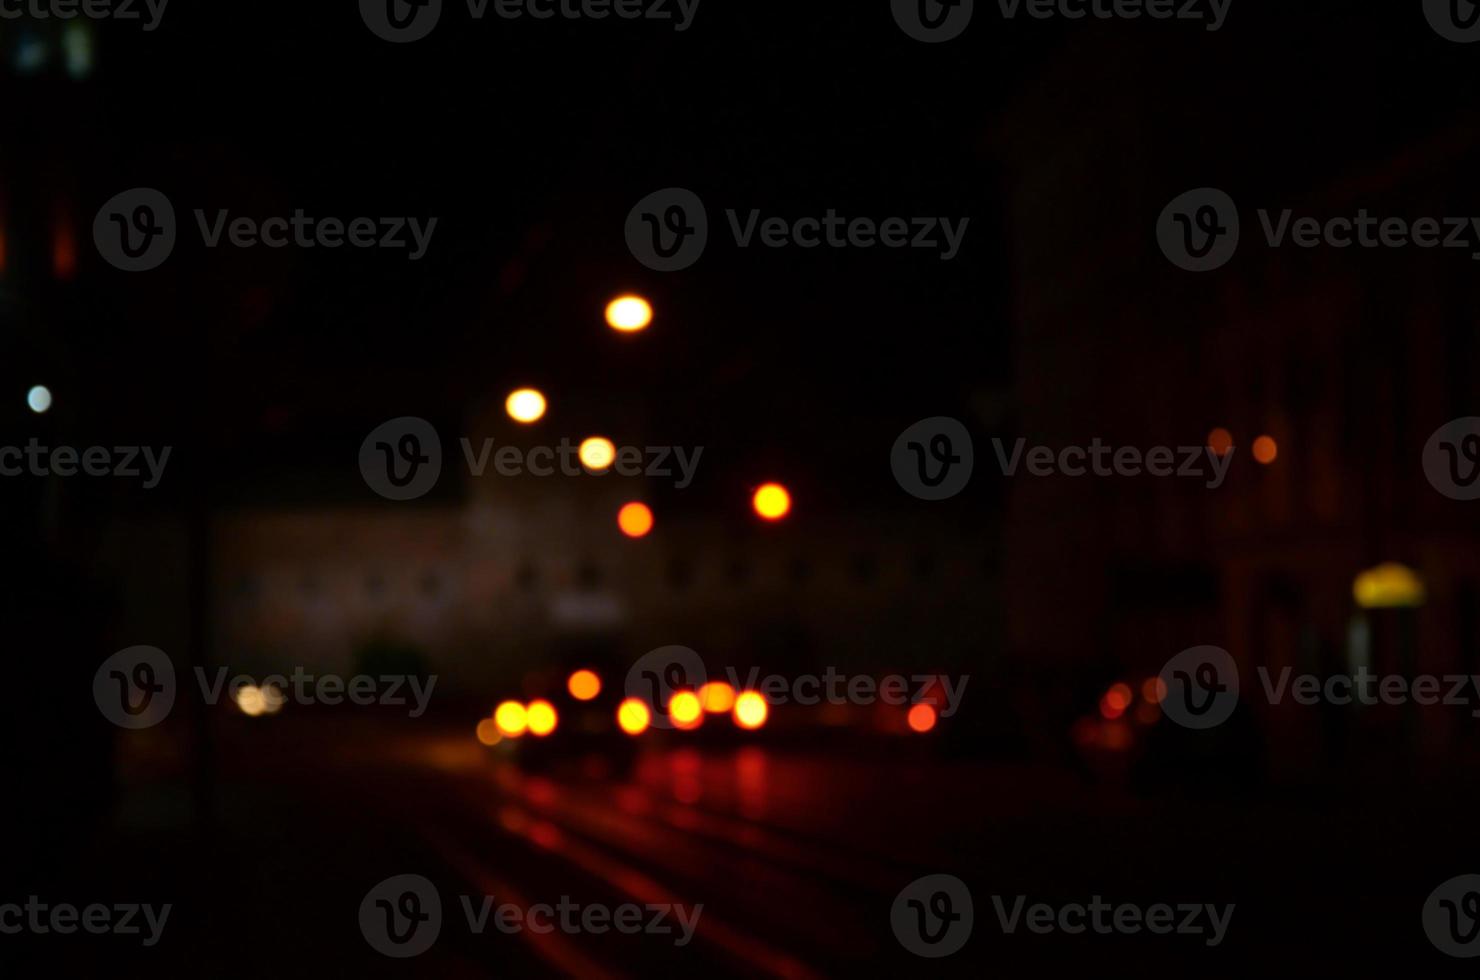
point(635, 519)
point(1220, 441)
point(39, 399)
point(717, 697)
point(633, 716)
point(922, 717)
point(1266, 450)
point(527, 405)
point(488, 732)
point(751, 710)
point(685, 710)
point(598, 453)
point(583, 685)
point(541, 718)
point(249, 699)
point(772, 501)
point(511, 719)
point(629, 314)
point(1153, 689)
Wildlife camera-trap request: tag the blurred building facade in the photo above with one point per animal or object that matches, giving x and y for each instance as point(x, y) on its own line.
point(1348, 359)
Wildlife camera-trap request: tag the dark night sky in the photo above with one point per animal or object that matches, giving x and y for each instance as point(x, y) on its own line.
point(530, 143)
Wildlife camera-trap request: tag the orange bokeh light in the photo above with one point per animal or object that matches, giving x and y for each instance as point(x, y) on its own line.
point(583, 685)
point(635, 519)
point(1266, 450)
point(685, 710)
point(772, 501)
point(511, 719)
point(1220, 441)
point(541, 718)
point(1153, 689)
point(717, 697)
point(1119, 696)
point(922, 717)
point(488, 732)
point(633, 716)
point(751, 710)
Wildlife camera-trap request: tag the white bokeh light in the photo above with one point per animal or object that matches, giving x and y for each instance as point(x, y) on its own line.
point(39, 398)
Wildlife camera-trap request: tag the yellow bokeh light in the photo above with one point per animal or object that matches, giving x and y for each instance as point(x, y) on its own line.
point(629, 314)
point(527, 405)
point(772, 501)
point(635, 519)
point(751, 710)
point(685, 710)
point(541, 718)
point(584, 685)
point(598, 453)
point(633, 716)
point(511, 719)
point(1389, 586)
